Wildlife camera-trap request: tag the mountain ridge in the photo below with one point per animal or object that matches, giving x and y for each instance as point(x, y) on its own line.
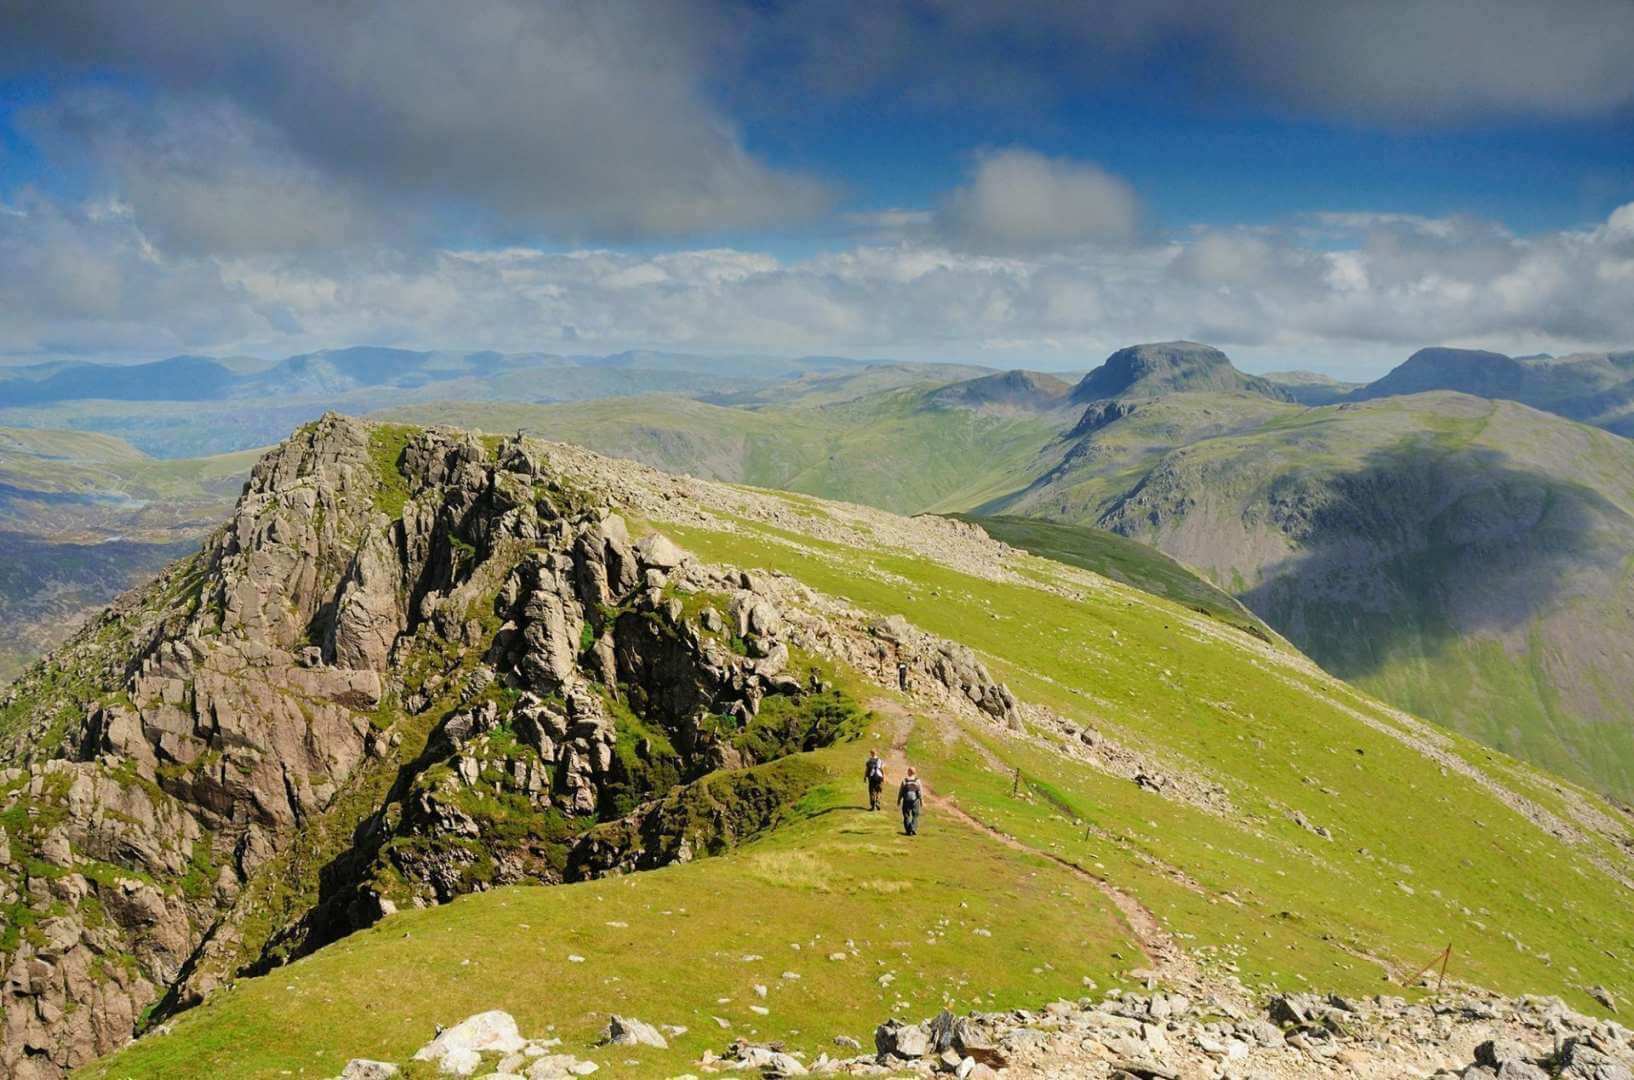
point(1065, 711)
point(1595, 388)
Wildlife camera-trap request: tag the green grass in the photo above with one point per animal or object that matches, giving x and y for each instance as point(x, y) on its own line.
point(1285, 909)
point(887, 449)
point(1121, 559)
point(386, 445)
point(1277, 739)
point(668, 945)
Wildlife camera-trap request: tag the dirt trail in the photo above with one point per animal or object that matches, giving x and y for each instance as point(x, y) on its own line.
point(1164, 955)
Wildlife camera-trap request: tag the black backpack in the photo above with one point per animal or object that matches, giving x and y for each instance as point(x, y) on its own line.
point(876, 769)
point(910, 793)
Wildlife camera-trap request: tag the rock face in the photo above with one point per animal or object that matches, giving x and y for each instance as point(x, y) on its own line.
point(417, 660)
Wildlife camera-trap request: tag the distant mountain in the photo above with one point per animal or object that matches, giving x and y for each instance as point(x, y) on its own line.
point(180, 378)
point(188, 405)
point(1464, 558)
point(1460, 557)
point(832, 387)
point(1170, 367)
point(1597, 388)
point(1025, 391)
point(84, 517)
point(333, 372)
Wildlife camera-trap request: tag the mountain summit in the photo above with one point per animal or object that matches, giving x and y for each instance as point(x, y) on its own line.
point(1169, 367)
point(1595, 388)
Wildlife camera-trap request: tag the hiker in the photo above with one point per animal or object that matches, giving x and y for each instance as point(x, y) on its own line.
point(874, 774)
point(909, 796)
point(902, 675)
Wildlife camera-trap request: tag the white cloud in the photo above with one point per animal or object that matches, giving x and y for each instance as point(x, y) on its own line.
point(1018, 200)
point(84, 282)
point(571, 120)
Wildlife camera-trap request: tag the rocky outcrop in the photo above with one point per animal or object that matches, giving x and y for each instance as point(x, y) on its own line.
point(1158, 1034)
point(954, 667)
point(413, 665)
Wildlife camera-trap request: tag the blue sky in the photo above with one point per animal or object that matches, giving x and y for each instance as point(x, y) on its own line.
point(1034, 183)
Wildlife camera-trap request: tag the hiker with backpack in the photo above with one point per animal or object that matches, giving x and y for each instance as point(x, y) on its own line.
point(873, 774)
point(909, 796)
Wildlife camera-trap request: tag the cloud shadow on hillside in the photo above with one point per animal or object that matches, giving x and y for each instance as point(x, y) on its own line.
point(1414, 550)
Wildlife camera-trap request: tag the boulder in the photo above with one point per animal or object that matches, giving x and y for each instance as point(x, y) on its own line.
point(364, 1069)
point(625, 1031)
point(1496, 1053)
point(1580, 1059)
point(559, 1067)
point(659, 552)
point(487, 1032)
point(902, 1040)
point(769, 1062)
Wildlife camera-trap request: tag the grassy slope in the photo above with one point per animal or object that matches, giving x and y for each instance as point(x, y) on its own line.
point(1447, 862)
point(84, 463)
point(1121, 559)
point(668, 945)
point(84, 516)
point(1414, 587)
point(886, 450)
point(1120, 454)
point(1544, 692)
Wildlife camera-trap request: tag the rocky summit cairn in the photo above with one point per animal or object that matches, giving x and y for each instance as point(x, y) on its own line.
point(433, 660)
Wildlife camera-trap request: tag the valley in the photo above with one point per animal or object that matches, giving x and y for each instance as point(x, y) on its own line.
point(1363, 530)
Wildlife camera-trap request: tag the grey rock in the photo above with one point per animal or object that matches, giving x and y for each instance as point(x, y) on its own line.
point(901, 1040)
point(1581, 1059)
point(659, 552)
point(365, 1069)
point(625, 1031)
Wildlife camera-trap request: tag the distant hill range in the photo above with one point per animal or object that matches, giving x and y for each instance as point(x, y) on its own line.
point(1596, 388)
point(1464, 556)
point(1453, 537)
point(341, 371)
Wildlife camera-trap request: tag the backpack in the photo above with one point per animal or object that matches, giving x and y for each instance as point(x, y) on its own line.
point(875, 769)
point(910, 793)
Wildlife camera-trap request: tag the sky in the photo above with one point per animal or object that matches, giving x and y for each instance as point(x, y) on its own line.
point(1032, 183)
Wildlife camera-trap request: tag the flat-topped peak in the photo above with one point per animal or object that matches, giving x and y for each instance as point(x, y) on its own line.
point(1164, 367)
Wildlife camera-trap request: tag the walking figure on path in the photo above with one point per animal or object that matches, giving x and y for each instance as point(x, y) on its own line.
point(902, 675)
point(874, 774)
point(909, 796)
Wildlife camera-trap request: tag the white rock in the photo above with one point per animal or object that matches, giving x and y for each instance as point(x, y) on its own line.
point(627, 1031)
point(492, 1032)
point(365, 1069)
point(460, 1061)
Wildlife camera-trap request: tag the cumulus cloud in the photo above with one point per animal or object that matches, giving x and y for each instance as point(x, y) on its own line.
point(85, 279)
point(579, 121)
point(202, 177)
point(574, 119)
point(1018, 200)
point(1410, 62)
